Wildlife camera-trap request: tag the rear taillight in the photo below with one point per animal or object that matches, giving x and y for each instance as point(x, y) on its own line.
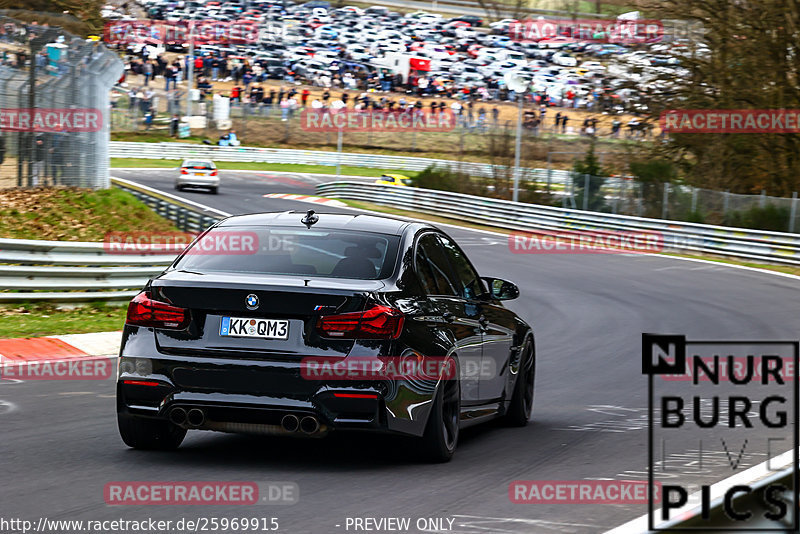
point(144, 311)
point(213, 173)
point(378, 322)
point(184, 171)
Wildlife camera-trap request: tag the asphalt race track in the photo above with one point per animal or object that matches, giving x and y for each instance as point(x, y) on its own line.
point(60, 444)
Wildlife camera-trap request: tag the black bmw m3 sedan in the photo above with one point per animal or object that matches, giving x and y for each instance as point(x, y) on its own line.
point(300, 324)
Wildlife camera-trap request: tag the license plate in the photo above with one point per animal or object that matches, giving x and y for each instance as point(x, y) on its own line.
point(199, 174)
point(248, 327)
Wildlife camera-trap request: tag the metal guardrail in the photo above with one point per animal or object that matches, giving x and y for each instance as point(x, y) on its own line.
point(120, 149)
point(65, 271)
point(71, 271)
point(188, 216)
point(771, 247)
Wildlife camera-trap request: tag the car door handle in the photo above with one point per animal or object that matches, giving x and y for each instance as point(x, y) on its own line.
point(484, 322)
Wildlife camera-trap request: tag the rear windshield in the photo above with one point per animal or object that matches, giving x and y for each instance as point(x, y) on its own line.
point(292, 251)
point(199, 164)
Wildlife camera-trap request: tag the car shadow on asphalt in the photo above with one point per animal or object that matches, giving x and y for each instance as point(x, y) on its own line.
point(338, 451)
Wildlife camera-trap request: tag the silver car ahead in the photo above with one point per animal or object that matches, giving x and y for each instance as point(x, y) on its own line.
point(198, 173)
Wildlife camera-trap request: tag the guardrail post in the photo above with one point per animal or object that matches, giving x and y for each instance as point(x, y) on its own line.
point(339, 154)
point(547, 190)
point(182, 219)
point(725, 202)
point(586, 182)
point(665, 201)
point(793, 214)
point(694, 200)
point(641, 199)
point(763, 199)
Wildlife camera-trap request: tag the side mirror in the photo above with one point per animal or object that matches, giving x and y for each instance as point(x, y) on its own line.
point(502, 289)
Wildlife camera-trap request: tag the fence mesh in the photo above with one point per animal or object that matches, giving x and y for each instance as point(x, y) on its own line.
point(54, 99)
point(625, 196)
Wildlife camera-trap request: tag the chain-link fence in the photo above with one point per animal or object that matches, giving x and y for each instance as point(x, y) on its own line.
point(54, 100)
point(627, 196)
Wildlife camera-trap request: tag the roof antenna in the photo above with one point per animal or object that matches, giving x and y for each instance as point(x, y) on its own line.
point(310, 219)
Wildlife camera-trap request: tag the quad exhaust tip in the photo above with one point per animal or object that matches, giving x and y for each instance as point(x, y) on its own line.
point(177, 416)
point(309, 425)
point(195, 417)
point(290, 423)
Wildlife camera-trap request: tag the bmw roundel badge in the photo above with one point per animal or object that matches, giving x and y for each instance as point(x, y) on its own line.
point(251, 301)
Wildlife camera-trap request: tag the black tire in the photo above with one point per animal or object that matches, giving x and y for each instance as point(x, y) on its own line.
point(213, 190)
point(177, 187)
point(441, 432)
point(521, 405)
point(149, 434)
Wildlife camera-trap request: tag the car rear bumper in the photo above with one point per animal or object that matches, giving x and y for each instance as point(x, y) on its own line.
point(198, 181)
point(255, 414)
point(255, 396)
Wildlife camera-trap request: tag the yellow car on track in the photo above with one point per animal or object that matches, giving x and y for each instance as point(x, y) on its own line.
point(394, 179)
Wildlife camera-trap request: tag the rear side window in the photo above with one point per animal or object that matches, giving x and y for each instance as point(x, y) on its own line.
point(433, 268)
point(469, 286)
point(292, 251)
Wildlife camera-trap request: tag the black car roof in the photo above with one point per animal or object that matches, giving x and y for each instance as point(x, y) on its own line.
point(341, 221)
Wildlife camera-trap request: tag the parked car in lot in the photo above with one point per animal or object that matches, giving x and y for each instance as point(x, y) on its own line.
point(502, 26)
point(556, 42)
point(233, 337)
point(200, 173)
point(565, 60)
point(472, 20)
point(352, 39)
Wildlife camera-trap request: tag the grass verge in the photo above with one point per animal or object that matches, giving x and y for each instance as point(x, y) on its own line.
point(72, 214)
point(37, 320)
point(274, 167)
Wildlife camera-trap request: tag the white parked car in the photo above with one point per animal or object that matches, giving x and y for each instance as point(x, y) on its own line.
point(512, 56)
point(466, 32)
point(359, 52)
point(326, 56)
point(565, 60)
point(593, 65)
point(502, 24)
point(353, 9)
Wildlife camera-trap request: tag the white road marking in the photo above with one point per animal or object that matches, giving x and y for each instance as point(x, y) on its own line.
point(94, 344)
point(473, 522)
point(7, 407)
